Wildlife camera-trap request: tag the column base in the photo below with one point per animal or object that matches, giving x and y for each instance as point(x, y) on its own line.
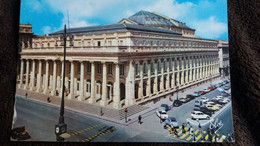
point(102, 102)
point(70, 96)
point(116, 105)
point(45, 91)
point(24, 87)
point(80, 98)
point(129, 102)
point(90, 100)
point(53, 93)
point(38, 90)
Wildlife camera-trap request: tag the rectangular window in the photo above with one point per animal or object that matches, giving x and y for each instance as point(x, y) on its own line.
point(144, 68)
point(109, 43)
point(89, 67)
point(152, 70)
point(99, 43)
point(99, 68)
point(122, 69)
point(136, 69)
point(110, 69)
point(158, 67)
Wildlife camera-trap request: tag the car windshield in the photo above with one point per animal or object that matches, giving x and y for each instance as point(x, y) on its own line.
point(173, 119)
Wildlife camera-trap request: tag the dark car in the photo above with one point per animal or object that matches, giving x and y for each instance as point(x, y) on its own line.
point(184, 100)
point(190, 96)
point(196, 94)
point(166, 107)
point(226, 87)
point(177, 103)
point(218, 102)
point(207, 111)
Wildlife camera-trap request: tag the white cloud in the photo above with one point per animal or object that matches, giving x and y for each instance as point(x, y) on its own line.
point(46, 29)
point(170, 8)
point(209, 28)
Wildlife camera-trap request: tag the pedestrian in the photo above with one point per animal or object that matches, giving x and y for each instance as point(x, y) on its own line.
point(26, 95)
point(183, 128)
point(101, 112)
point(175, 132)
point(140, 119)
point(191, 131)
point(188, 126)
point(48, 99)
point(200, 128)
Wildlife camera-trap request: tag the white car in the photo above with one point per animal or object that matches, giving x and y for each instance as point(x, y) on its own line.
point(206, 90)
point(204, 99)
point(213, 103)
point(162, 114)
point(199, 115)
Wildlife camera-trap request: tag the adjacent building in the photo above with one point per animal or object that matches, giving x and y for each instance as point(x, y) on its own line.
point(224, 58)
point(121, 64)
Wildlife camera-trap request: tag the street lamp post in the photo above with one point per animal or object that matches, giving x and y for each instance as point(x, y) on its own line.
point(177, 91)
point(61, 127)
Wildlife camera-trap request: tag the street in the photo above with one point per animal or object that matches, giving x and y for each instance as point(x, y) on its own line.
point(40, 119)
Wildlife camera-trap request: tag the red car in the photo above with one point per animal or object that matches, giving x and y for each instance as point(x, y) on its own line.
point(201, 92)
point(211, 88)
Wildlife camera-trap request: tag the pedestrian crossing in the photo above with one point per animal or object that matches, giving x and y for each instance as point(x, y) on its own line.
point(198, 136)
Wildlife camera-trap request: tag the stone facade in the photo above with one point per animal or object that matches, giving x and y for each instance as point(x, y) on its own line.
point(117, 68)
point(223, 58)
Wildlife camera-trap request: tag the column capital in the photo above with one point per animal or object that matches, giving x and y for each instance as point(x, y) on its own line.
point(116, 63)
point(91, 61)
point(81, 61)
point(71, 61)
point(103, 62)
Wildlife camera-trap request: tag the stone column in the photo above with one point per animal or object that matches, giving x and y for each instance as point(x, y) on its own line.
point(62, 68)
point(130, 85)
point(33, 76)
point(27, 74)
point(21, 74)
point(190, 77)
point(71, 95)
point(54, 77)
point(39, 76)
point(81, 90)
point(178, 73)
point(168, 75)
point(92, 94)
point(155, 78)
point(116, 98)
point(187, 71)
point(141, 81)
point(162, 76)
point(46, 78)
point(182, 73)
point(173, 73)
point(104, 85)
point(148, 87)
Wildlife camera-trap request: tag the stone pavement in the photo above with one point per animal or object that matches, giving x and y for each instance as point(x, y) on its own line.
point(109, 114)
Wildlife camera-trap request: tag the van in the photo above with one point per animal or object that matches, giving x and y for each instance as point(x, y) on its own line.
point(198, 103)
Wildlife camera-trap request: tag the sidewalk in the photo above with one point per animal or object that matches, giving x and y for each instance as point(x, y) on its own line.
point(109, 114)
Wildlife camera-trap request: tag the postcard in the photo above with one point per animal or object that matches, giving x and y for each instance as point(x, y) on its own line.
point(123, 71)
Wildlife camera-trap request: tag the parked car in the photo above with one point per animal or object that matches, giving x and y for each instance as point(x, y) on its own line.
point(214, 86)
point(202, 92)
point(206, 90)
point(204, 99)
point(177, 103)
point(198, 103)
point(218, 97)
point(162, 114)
point(207, 111)
point(184, 100)
point(196, 94)
point(226, 87)
point(210, 88)
point(218, 101)
point(166, 107)
point(190, 96)
point(213, 107)
point(171, 121)
point(199, 115)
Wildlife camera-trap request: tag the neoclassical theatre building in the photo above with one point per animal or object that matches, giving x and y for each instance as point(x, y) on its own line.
point(121, 64)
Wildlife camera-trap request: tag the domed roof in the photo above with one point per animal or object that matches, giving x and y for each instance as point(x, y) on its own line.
point(148, 18)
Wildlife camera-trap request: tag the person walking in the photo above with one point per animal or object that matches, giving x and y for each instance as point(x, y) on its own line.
point(175, 132)
point(183, 128)
point(191, 131)
point(26, 95)
point(200, 129)
point(140, 119)
point(188, 126)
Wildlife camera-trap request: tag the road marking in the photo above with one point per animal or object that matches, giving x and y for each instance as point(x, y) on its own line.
point(184, 135)
point(198, 137)
point(85, 130)
point(100, 134)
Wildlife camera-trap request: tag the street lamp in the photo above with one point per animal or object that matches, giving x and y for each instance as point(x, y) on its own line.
point(61, 127)
point(177, 87)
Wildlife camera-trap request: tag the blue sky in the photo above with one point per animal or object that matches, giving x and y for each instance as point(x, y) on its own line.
point(208, 17)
